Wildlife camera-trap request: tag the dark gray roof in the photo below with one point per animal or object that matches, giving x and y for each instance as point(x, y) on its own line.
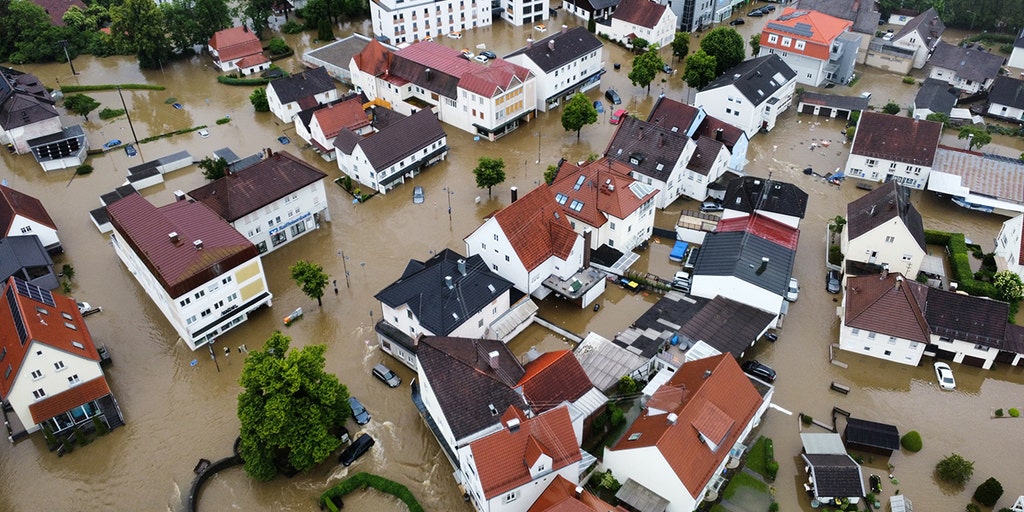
point(648, 144)
point(465, 384)
point(704, 156)
point(340, 52)
point(973, 319)
point(573, 44)
point(834, 100)
point(872, 434)
point(739, 254)
point(835, 476)
point(1019, 43)
point(402, 139)
point(881, 205)
point(750, 193)
point(593, 5)
point(302, 85)
point(22, 252)
point(935, 95)
point(727, 325)
point(928, 26)
point(655, 326)
point(861, 13)
point(438, 308)
point(23, 100)
point(1007, 91)
point(756, 79)
point(969, 63)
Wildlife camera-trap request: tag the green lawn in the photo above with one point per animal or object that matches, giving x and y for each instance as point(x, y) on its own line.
point(758, 456)
point(719, 508)
point(741, 481)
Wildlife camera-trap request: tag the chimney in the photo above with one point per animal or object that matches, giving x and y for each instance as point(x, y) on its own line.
point(551, 44)
point(449, 283)
point(707, 373)
point(462, 266)
point(529, 42)
point(173, 235)
point(872, 211)
point(492, 359)
point(245, 29)
point(270, 152)
point(565, 28)
point(513, 425)
point(640, 136)
point(515, 193)
point(719, 135)
point(899, 282)
point(586, 247)
point(579, 492)
point(661, 139)
point(198, 244)
point(673, 417)
point(426, 73)
point(763, 267)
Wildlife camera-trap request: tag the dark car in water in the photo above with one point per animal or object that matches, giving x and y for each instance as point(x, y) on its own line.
point(832, 281)
point(359, 412)
point(355, 450)
point(759, 370)
point(613, 97)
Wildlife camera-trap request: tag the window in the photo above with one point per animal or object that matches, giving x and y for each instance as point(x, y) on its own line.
point(772, 38)
point(872, 162)
point(786, 41)
point(890, 239)
point(59, 365)
point(512, 496)
point(37, 374)
point(800, 45)
point(892, 340)
point(39, 393)
point(26, 229)
point(871, 335)
point(561, 198)
point(612, 226)
point(72, 380)
point(576, 205)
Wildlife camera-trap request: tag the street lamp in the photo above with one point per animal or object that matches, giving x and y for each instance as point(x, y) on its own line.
point(970, 138)
point(538, 145)
point(345, 266)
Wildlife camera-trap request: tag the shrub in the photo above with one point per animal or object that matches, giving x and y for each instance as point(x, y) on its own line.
point(989, 492)
point(365, 480)
point(973, 507)
point(835, 255)
point(84, 169)
point(773, 469)
point(891, 108)
point(1006, 48)
point(999, 413)
point(628, 385)
point(1014, 412)
point(224, 120)
point(291, 27)
point(608, 481)
point(912, 441)
point(955, 469)
point(616, 416)
point(806, 419)
point(100, 426)
point(774, 507)
point(110, 113)
point(909, 80)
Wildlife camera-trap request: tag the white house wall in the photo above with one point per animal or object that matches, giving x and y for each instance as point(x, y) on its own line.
point(288, 112)
point(407, 22)
point(22, 225)
point(56, 366)
point(648, 467)
point(524, 12)
point(738, 290)
point(878, 170)
point(20, 136)
point(950, 77)
point(888, 244)
point(570, 77)
point(727, 104)
point(882, 346)
point(920, 49)
point(1001, 110)
point(1008, 244)
point(964, 349)
point(519, 499)
point(293, 215)
point(490, 243)
point(809, 71)
point(432, 406)
point(1016, 59)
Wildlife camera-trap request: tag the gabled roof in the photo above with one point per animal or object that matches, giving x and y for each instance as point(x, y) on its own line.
point(401, 139)
point(657, 324)
point(763, 227)
point(976, 320)
point(179, 267)
point(818, 29)
point(600, 189)
point(927, 25)
point(741, 254)
point(466, 385)
point(494, 78)
point(65, 401)
point(347, 114)
point(674, 116)
point(302, 86)
point(29, 314)
point(18, 252)
point(891, 306)
point(727, 325)
point(235, 43)
point(14, 204)
point(872, 433)
point(896, 138)
point(505, 458)
point(756, 79)
point(984, 174)
point(704, 155)
point(936, 95)
point(835, 476)
point(968, 62)
point(861, 13)
point(23, 100)
point(750, 194)
point(438, 308)
point(714, 401)
point(650, 149)
point(242, 192)
point(374, 59)
point(252, 61)
point(444, 70)
point(1007, 91)
point(56, 9)
point(715, 128)
point(536, 229)
point(568, 47)
point(560, 496)
point(553, 378)
point(889, 201)
point(643, 13)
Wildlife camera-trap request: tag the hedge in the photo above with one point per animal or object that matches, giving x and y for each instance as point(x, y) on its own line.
point(365, 480)
point(109, 87)
point(224, 79)
point(959, 259)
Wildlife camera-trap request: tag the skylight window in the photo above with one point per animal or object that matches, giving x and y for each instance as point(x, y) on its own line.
point(561, 198)
point(634, 436)
point(576, 205)
point(579, 182)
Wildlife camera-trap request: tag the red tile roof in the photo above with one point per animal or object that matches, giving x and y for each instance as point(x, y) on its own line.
point(553, 378)
point(252, 61)
point(644, 13)
point(235, 43)
point(718, 403)
point(503, 459)
point(763, 227)
point(347, 114)
point(57, 8)
point(878, 305)
point(896, 138)
point(495, 78)
point(536, 229)
point(63, 402)
point(14, 203)
point(824, 30)
point(560, 496)
point(374, 58)
point(484, 79)
point(179, 267)
point(599, 200)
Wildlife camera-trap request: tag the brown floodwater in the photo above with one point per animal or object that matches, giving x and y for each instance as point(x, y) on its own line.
point(178, 413)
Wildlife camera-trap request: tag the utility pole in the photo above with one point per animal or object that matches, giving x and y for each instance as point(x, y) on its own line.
point(64, 43)
point(130, 125)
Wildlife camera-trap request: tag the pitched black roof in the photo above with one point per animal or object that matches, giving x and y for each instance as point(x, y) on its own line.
point(872, 434)
point(756, 79)
point(936, 95)
point(969, 63)
point(972, 319)
point(928, 26)
point(438, 308)
point(835, 476)
point(302, 85)
point(739, 254)
point(1007, 91)
point(656, 322)
point(750, 193)
point(18, 252)
point(881, 205)
point(571, 45)
point(402, 138)
point(647, 144)
point(23, 100)
point(727, 325)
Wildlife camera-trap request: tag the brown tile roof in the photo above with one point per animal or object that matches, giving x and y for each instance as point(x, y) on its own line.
point(374, 58)
point(57, 8)
point(560, 496)
point(715, 408)
point(494, 78)
point(444, 70)
point(503, 459)
point(252, 60)
point(14, 203)
point(729, 135)
point(179, 267)
point(347, 114)
point(553, 378)
point(240, 193)
point(673, 115)
point(887, 202)
point(896, 138)
point(47, 328)
point(764, 227)
point(705, 155)
point(598, 200)
point(63, 402)
point(876, 304)
point(644, 13)
point(536, 229)
point(235, 43)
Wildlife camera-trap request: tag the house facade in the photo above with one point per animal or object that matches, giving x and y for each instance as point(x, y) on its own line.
point(818, 47)
point(525, 12)
point(650, 21)
point(676, 116)
point(1009, 248)
point(588, 9)
point(934, 96)
point(920, 35)
point(893, 148)
point(321, 124)
point(22, 214)
point(26, 110)
point(967, 68)
point(751, 95)
point(568, 62)
point(203, 275)
point(52, 377)
point(1006, 99)
point(864, 16)
point(290, 95)
point(883, 232)
point(659, 157)
point(399, 22)
point(237, 49)
point(25, 258)
point(1016, 59)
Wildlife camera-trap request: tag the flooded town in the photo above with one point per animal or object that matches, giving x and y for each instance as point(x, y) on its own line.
point(179, 397)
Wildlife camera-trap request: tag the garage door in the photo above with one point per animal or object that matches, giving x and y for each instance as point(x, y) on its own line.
point(825, 112)
point(1005, 356)
point(976, 362)
point(944, 355)
point(807, 109)
point(842, 114)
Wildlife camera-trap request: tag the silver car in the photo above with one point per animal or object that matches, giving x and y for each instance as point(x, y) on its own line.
point(387, 376)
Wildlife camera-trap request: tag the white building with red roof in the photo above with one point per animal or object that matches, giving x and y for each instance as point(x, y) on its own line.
point(644, 19)
point(675, 452)
point(321, 124)
point(819, 47)
point(203, 275)
point(51, 369)
point(486, 99)
point(237, 49)
point(24, 215)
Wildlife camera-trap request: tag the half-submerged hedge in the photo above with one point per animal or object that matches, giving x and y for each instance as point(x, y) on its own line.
point(365, 480)
point(108, 87)
point(960, 260)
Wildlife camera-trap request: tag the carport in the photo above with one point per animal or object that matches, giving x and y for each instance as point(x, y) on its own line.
point(831, 105)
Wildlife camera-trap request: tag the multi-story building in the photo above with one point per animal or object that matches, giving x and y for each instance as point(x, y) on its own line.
point(893, 148)
point(751, 95)
point(290, 95)
point(645, 19)
point(22, 214)
point(883, 232)
point(818, 47)
point(401, 22)
point(565, 63)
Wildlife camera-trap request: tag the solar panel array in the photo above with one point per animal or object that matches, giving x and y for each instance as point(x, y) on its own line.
point(26, 289)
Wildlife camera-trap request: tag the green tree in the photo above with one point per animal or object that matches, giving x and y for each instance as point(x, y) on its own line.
point(645, 68)
point(726, 46)
point(640, 44)
point(80, 104)
point(1008, 286)
point(311, 278)
point(259, 100)
point(628, 385)
point(137, 26)
point(976, 137)
point(578, 113)
point(193, 22)
point(955, 469)
point(214, 168)
point(324, 32)
point(291, 410)
point(591, 24)
point(27, 34)
point(256, 12)
point(700, 69)
point(550, 174)
point(277, 46)
point(989, 492)
point(755, 43)
point(892, 108)
point(681, 45)
point(938, 117)
point(489, 172)
point(912, 441)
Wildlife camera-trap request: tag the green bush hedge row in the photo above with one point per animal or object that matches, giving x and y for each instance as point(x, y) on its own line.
point(108, 87)
point(168, 134)
point(224, 79)
point(365, 480)
point(960, 260)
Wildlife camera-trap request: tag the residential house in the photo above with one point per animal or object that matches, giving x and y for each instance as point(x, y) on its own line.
point(237, 49)
point(1006, 99)
point(22, 214)
point(25, 258)
point(863, 15)
point(396, 147)
point(677, 116)
point(819, 48)
point(883, 232)
point(523, 12)
point(319, 125)
point(660, 158)
point(586, 10)
point(831, 105)
point(694, 15)
point(1017, 55)
point(644, 19)
point(920, 35)
point(557, 378)
point(335, 57)
point(533, 245)
point(57, 8)
point(400, 22)
point(934, 97)
point(750, 195)
point(446, 295)
point(675, 452)
point(485, 99)
point(562, 495)
point(967, 68)
point(751, 95)
point(602, 198)
point(203, 275)
point(893, 148)
point(30, 123)
point(289, 95)
point(53, 379)
point(509, 469)
point(565, 63)
point(979, 181)
point(833, 474)
point(1009, 246)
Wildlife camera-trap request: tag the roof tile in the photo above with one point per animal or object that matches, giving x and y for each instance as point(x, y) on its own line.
point(896, 138)
point(535, 228)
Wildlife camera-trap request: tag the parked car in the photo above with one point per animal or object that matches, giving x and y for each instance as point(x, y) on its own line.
point(618, 116)
point(771, 336)
point(112, 143)
point(759, 370)
point(356, 450)
point(613, 97)
point(666, 68)
point(599, 107)
point(681, 281)
point(793, 292)
point(387, 376)
point(832, 282)
point(481, 59)
point(455, 35)
point(83, 307)
point(768, 8)
point(691, 258)
point(711, 206)
point(204, 133)
point(417, 194)
point(359, 412)
point(945, 376)
point(756, 13)
point(489, 54)
point(737, 21)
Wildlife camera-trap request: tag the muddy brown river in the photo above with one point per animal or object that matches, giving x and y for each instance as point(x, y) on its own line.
point(177, 413)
